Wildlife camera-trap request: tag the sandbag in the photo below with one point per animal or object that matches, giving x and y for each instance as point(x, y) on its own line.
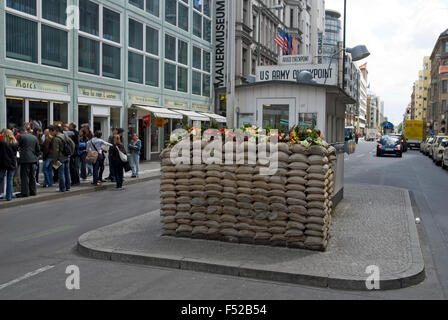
point(297, 157)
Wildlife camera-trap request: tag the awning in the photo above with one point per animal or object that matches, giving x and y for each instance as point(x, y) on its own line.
point(215, 117)
point(194, 116)
point(162, 112)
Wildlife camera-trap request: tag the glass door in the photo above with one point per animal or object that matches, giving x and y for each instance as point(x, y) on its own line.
point(276, 117)
point(39, 113)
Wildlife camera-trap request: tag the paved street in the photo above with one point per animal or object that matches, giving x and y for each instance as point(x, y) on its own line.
point(44, 235)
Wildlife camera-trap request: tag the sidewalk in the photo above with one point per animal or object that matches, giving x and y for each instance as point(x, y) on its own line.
point(148, 171)
point(372, 226)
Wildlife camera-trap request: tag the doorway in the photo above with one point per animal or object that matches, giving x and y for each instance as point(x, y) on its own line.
point(101, 123)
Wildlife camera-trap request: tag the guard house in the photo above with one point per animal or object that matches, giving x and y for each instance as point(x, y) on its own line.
point(286, 101)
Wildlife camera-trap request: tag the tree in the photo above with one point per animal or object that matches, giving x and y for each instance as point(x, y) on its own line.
point(400, 127)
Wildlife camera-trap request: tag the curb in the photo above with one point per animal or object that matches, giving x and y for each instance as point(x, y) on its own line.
point(59, 195)
point(412, 276)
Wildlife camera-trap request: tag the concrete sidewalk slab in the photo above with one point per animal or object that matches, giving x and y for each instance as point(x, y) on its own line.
point(372, 226)
point(148, 171)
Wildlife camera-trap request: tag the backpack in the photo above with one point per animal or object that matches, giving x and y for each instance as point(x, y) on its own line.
point(69, 147)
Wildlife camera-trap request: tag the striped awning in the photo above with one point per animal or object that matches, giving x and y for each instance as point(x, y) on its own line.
point(162, 112)
point(194, 116)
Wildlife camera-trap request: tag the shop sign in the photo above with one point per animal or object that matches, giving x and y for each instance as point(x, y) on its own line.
point(176, 104)
point(320, 46)
point(200, 107)
point(144, 100)
point(99, 94)
point(36, 85)
point(160, 122)
point(146, 121)
point(321, 73)
point(443, 69)
point(298, 59)
point(220, 43)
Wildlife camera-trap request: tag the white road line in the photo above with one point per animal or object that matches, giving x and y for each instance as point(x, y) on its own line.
point(26, 276)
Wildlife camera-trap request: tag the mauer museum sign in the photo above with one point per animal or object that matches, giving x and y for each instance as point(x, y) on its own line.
point(220, 43)
point(321, 73)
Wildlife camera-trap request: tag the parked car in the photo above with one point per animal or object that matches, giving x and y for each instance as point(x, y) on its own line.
point(445, 159)
point(437, 141)
point(438, 151)
point(389, 145)
point(428, 146)
point(423, 145)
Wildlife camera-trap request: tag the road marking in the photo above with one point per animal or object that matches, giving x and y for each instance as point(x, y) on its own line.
point(43, 233)
point(26, 276)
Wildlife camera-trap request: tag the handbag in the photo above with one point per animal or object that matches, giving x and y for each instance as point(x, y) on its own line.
point(92, 156)
point(123, 157)
point(127, 166)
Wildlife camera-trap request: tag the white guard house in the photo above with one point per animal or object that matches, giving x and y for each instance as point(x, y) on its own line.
point(278, 100)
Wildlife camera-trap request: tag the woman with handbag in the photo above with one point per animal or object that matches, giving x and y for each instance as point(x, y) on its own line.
point(95, 155)
point(8, 161)
point(119, 159)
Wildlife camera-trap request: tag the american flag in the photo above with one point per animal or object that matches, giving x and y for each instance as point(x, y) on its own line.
point(281, 41)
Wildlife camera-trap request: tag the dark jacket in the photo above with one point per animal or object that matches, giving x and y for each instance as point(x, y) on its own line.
point(58, 147)
point(8, 159)
point(114, 152)
point(29, 148)
point(47, 149)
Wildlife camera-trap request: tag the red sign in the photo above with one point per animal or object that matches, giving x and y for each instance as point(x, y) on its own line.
point(443, 69)
point(146, 121)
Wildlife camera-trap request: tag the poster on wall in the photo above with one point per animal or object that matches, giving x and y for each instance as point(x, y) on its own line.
point(220, 43)
point(146, 121)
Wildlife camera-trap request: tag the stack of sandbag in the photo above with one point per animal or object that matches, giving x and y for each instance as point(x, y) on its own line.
point(319, 198)
point(168, 195)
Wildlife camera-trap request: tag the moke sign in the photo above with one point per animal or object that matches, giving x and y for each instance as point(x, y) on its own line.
point(320, 72)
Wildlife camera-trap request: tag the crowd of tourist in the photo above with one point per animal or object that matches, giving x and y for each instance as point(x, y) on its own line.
point(65, 156)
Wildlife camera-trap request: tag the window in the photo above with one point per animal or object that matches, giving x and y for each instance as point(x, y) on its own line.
point(21, 39)
point(171, 11)
point(183, 17)
point(25, 6)
point(15, 112)
point(138, 3)
point(176, 57)
point(55, 10)
point(54, 47)
point(111, 25)
point(444, 86)
point(177, 13)
point(197, 25)
point(99, 53)
point(443, 106)
point(201, 19)
point(201, 72)
point(197, 58)
point(152, 6)
point(143, 54)
point(196, 81)
point(446, 46)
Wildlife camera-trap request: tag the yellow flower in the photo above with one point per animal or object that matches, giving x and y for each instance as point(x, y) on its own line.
point(309, 131)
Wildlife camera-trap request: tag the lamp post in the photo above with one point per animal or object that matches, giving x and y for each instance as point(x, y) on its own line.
point(260, 10)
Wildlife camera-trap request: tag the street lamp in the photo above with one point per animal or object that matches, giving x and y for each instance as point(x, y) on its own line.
point(260, 10)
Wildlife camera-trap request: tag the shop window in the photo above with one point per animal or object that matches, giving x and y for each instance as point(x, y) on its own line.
point(182, 79)
point(152, 72)
point(84, 113)
point(170, 76)
point(197, 77)
point(154, 135)
point(152, 41)
point(21, 39)
point(135, 35)
point(197, 25)
point(26, 6)
point(89, 56)
point(276, 116)
point(60, 112)
point(171, 11)
point(115, 114)
point(308, 120)
point(38, 113)
point(15, 112)
point(246, 119)
point(111, 61)
point(54, 47)
point(111, 25)
point(135, 68)
point(183, 17)
point(55, 10)
point(89, 17)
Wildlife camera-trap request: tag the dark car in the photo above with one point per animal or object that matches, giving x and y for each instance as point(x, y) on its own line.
point(403, 141)
point(389, 145)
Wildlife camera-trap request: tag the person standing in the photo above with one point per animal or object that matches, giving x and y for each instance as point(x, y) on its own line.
point(29, 152)
point(96, 144)
point(135, 147)
point(38, 134)
point(117, 163)
point(74, 159)
point(111, 169)
point(47, 157)
point(82, 153)
point(8, 161)
point(61, 157)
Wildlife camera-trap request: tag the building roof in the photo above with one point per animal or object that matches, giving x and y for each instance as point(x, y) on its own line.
point(332, 13)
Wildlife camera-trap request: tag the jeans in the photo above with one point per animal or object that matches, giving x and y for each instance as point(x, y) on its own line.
point(28, 179)
point(9, 182)
point(64, 175)
point(47, 169)
point(37, 171)
point(118, 172)
point(96, 168)
point(101, 170)
point(74, 169)
point(135, 159)
point(83, 164)
point(111, 169)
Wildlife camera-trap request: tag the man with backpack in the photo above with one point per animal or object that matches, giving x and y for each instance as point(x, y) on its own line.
point(63, 148)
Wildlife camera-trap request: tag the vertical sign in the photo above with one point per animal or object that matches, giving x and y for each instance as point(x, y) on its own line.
point(220, 43)
point(320, 40)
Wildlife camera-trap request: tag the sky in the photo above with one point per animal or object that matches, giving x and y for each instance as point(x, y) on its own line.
point(398, 34)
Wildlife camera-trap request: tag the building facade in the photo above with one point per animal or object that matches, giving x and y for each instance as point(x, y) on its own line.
point(421, 89)
point(438, 96)
point(114, 63)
